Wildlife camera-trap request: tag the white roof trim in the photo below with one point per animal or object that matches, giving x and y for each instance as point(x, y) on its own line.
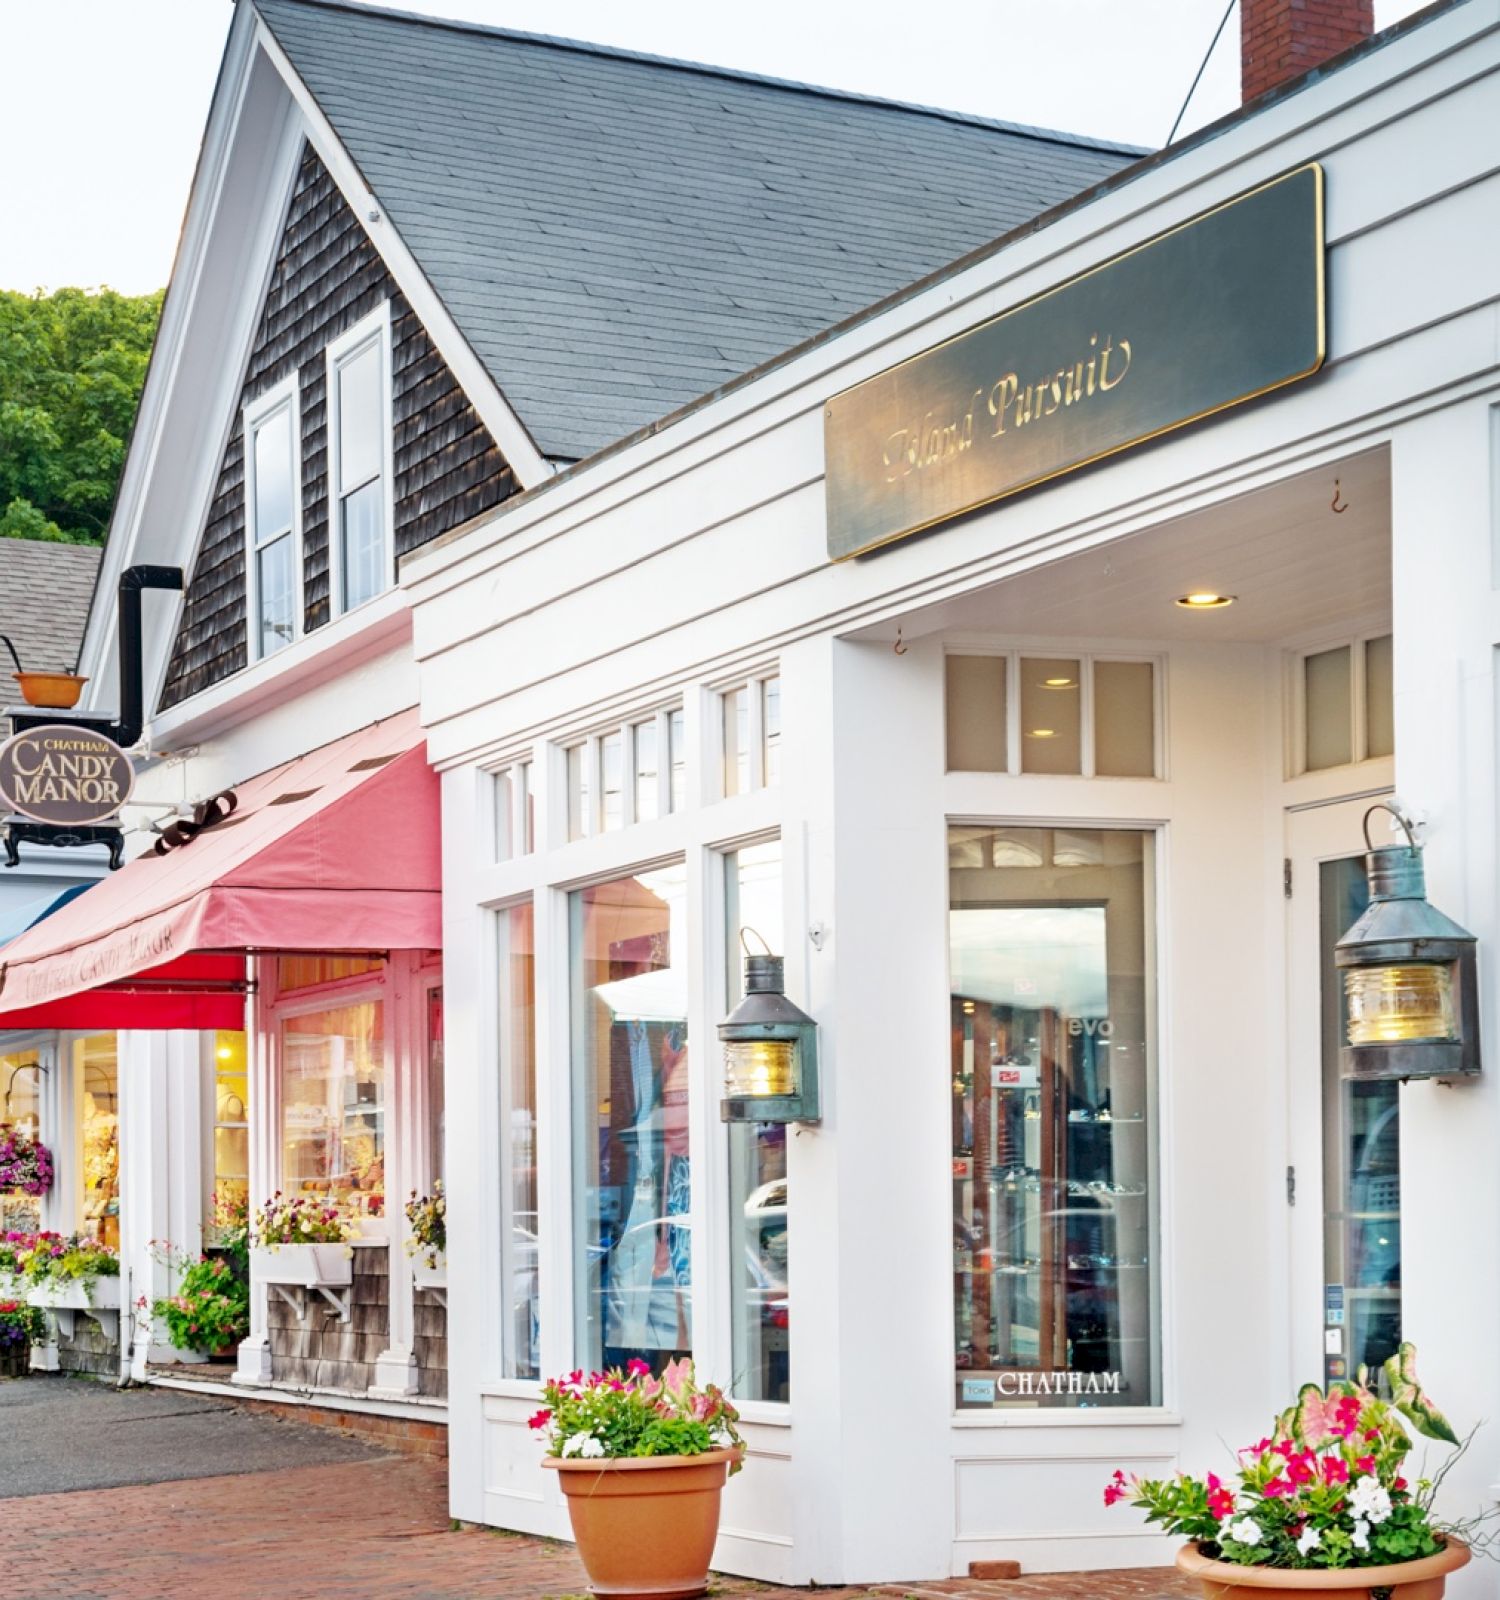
point(139, 530)
point(516, 445)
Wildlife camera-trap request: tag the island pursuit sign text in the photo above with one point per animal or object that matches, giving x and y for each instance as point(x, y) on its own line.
point(1217, 311)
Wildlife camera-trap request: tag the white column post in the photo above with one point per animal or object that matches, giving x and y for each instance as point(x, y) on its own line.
point(161, 1178)
point(396, 1365)
point(1446, 614)
point(264, 1116)
point(473, 1131)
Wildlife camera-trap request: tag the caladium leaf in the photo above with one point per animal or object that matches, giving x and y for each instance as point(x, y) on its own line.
point(1408, 1397)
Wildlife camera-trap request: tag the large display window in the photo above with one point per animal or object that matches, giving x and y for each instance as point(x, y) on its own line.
point(96, 1073)
point(21, 1109)
point(632, 1169)
point(333, 1105)
point(1052, 1079)
point(520, 1268)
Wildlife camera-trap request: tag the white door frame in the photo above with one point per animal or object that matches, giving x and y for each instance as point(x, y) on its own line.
point(1326, 831)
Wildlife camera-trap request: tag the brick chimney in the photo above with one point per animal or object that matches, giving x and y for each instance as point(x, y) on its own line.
point(1282, 39)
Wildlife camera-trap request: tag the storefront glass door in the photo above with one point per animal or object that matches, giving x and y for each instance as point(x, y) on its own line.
point(1344, 1182)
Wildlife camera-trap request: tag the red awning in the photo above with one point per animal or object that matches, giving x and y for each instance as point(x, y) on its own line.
point(337, 850)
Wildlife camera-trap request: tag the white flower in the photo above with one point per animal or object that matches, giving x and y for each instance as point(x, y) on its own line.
point(574, 1446)
point(1361, 1539)
point(1369, 1501)
point(592, 1448)
point(1308, 1540)
point(1245, 1531)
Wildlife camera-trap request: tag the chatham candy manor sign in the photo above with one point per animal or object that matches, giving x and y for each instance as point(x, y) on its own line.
point(64, 776)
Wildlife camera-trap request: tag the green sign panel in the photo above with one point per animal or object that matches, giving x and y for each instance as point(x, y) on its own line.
point(1217, 311)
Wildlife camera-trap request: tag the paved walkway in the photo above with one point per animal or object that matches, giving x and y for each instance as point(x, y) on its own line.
point(372, 1528)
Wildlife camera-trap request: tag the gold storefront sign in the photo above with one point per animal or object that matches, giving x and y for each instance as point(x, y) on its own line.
point(1214, 312)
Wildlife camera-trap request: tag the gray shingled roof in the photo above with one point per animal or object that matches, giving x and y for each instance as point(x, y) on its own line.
point(618, 234)
point(45, 593)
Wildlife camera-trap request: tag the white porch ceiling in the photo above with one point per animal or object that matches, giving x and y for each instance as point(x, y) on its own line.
point(1297, 568)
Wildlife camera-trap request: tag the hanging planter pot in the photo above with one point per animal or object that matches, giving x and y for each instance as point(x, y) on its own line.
point(646, 1526)
point(50, 691)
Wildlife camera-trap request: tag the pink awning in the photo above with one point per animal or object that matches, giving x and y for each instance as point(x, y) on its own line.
point(338, 850)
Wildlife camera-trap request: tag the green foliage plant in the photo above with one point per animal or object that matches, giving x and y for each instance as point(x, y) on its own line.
point(1327, 1488)
point(629, 1413)
point(210, 1310)
point(53, 1260)
point(72, 366)
point(427, 1216)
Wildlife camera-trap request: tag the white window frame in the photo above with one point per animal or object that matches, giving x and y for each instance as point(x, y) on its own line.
point(1296, 701)
point(591, 746)
point(255, 415)
point(360, 987)
point(372, 329)
point(754, 685)
point(1087, 660)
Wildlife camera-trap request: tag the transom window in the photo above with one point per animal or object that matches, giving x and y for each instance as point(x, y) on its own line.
point(1052, 715)
point(273, 520)
point(750, 723)
point(359, 461)
point(1345, 704)
point(634, 773)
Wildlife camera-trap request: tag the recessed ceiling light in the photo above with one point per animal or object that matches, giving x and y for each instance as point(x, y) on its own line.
point(1042, 733)
point(1204, 600)
point(1059, 683)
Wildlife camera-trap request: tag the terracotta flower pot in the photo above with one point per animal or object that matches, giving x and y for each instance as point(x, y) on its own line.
point(52, 691)
point(646, 1527)
point(1409, 1580)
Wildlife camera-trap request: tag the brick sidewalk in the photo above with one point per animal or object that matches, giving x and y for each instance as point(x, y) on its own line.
point(367, 1530)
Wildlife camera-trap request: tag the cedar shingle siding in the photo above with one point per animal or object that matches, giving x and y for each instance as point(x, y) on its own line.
point(447, 468)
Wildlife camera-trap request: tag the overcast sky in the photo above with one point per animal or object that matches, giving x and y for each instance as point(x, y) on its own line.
point(105, 100)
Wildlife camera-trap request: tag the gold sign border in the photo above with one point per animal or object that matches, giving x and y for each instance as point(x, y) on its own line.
point(1320, 253)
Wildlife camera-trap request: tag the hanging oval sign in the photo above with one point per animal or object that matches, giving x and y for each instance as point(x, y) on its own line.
point(64, 775)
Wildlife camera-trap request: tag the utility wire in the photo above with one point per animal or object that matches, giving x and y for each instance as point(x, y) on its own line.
point(1198, 75)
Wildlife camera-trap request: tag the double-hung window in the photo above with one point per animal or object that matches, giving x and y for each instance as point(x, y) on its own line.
point(361, 559)
point(273, 520)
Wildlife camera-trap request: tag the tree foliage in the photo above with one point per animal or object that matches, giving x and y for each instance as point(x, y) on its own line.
point(72, 365)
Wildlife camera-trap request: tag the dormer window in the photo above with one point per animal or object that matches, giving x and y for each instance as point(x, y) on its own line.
point(273, 520)
point(361, 553)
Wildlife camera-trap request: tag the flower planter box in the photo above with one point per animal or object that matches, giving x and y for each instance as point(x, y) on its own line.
point(65, 1298)
point(431, 1275)
point(299, 1273)
point(1409, 1580)
point(647, 1525)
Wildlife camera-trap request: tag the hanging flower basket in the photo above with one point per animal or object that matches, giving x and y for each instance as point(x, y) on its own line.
point(25, 1163)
